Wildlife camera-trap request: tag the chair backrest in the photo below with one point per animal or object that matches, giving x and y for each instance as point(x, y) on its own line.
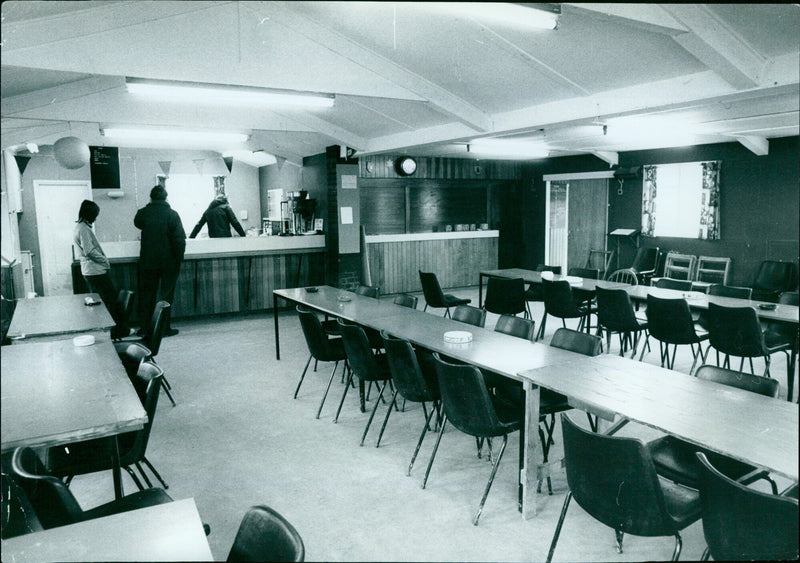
point(680, 266)
point(516, 326)
point(576, 341)
point(434, 296)
point(465, 399)
point(735, 330)
point(730, 291)
point(155, 331)
point(18, 517)
point(645, 260)
point(407, 374)
point(545, 268)
point(756, 383)
point(558, 300)
point(741, 523)
point(670, 320)
point(316, 339)
point(147, 382)
point(470, 315)
point(360, 356)
point(714, 269)
point(625, 275)
point(505, 296)
point(404, 300)
point(52, 501)
point(368, 291)
point(265, 535)
point(125, 305)
point(670, 283)
point(788, 298)
point(132, 354)
point(615, 310)
point(614, 480)
point(589, 273)
point(774, 275)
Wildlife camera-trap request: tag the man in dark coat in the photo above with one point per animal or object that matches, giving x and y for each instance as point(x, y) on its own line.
point(220, 218)
point(161, 253)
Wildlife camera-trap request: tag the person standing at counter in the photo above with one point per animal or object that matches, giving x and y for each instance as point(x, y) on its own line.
point(95, 265)
point(160, 255)
point(220, 218)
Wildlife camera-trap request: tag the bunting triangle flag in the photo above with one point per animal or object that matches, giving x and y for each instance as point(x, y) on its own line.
point(279, 160)
point(228, 162)
point(165, 164)
point(22, 162)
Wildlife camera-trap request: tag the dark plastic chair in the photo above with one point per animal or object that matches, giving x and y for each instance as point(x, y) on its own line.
point(779, 335)
point(581, 343)
point(674, 458)
point(320, 347)
point(435, 297)
point(265, 535)
point(469, 315)
point(17, 517)
point(645, 263)
point(669, 283)
point(404, 300)
point(773, 278)
point(505, 296)
point(412, 383)
point(721, 290)
point(365, 365)
point(736, 331)
point(89, 456)
point(55, 504)
point(331, 327)
point(471, 409)
point(582, 296)
point(615, 315)
point(613, 479)
point(510, 389)
point(743, 524)
point(534, 291)
point(561, 303)
point(670, 322)
point(124, 309)
point(516, 326)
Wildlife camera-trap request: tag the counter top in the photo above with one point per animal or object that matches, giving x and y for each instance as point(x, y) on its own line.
point(406, 237)
point(220, 247)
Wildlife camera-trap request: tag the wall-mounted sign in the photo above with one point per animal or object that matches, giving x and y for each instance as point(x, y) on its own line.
point(104, 167)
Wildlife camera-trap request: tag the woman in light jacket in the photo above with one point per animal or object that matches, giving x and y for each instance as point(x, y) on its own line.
point(95, 265)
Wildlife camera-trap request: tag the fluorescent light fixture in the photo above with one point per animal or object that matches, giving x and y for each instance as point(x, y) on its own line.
point(509, 148)
point(159, 136)
point(220, 93)
point(504, 13)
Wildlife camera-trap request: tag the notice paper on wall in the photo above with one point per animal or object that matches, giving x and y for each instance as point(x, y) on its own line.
point(347, 215)
point(349, 181)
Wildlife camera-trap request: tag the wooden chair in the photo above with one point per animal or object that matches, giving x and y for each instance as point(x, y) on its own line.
point(711, 270)
point(680, 266)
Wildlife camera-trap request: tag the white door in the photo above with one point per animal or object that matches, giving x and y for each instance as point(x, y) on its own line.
point(57, 204)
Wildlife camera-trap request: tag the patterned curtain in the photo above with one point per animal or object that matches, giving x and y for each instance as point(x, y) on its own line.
point(709, 214)
point(219, 185)
point(649, 201)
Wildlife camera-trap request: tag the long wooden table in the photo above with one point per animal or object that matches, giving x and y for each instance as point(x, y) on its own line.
point(165, 532)
point(54, 393)
point(57, 315)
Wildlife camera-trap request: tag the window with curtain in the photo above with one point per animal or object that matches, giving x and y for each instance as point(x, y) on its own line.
point(681, 200)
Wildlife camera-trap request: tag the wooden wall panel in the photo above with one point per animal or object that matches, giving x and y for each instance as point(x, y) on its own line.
point(433, 207)
point(217, 285)
point(382, 166)
point(383, 210)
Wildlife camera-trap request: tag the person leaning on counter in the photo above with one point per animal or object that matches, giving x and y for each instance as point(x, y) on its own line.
point(220, 218)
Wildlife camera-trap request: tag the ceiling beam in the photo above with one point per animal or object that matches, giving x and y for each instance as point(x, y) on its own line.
point(650, 17)
point(718, 46)
point(438, 97)
point(757, 145)
point(612, 158)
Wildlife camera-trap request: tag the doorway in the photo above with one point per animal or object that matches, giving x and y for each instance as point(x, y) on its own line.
point(57, 204)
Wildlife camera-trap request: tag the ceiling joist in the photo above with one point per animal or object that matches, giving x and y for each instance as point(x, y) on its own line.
point(757, 145)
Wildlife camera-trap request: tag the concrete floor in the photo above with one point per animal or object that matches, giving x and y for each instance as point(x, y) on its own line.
point(237, 438)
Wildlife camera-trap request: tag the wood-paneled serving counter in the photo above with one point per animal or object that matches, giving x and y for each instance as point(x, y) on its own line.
point(225, 275)
point(395, 260)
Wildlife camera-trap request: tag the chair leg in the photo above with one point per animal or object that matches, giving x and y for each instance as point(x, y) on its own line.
point(346, 388)
point(134, 477)
point(620, 535)
point(491, 480)
point(447, 313)
point(433, 454)
point(542, 324)
point(330, 380)
point(144, 475)
point(153, 470)
point(558, 526)
point(678, 545)
point(372, 414)
point(421, 438)
point(169, 395)
point(299, 383)
point(706, 554)
point(386, 419)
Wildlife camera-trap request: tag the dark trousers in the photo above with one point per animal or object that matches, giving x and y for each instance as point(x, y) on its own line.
point(103, 286)
point(156, 285)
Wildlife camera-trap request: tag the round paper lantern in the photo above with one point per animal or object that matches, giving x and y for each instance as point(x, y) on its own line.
point(71, 152)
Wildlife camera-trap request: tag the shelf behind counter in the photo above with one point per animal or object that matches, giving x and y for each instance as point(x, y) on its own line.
point(225, 275)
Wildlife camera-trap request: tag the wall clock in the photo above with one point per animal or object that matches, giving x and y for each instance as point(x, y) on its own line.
point(405, 165)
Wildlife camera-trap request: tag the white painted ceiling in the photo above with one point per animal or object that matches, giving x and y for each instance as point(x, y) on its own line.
point(407, 78)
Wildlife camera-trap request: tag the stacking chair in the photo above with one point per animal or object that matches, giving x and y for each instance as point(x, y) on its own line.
point(265, 535)
point(670, 322)
point(471, 409)
point(505, 296)
point(365, 365)
point(404, 300)
point(645, 263)
point(331, 327)
point(518, 327)
point(469, 315)
point(581, 343)
point(320, 347)
point(435, 297)
point(669, 283)
point(721, 290)
point(560, 303)
point(124, 307)
point(773, 278)
point(711, 270)
point(412, 383)
point(625, 275)
point(613, 479)
point(736, 331)
point(615, 315)
point(675, 459)
point(55, 504)
point(89, 456)
point(534, 291)
point(740, 523)
point(18, 517)
point(680, 266)
point(779, 334)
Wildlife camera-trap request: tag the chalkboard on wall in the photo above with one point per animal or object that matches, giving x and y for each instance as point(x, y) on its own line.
point(104, 165)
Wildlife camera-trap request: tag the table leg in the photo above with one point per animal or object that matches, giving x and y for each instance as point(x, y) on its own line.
point(480, 290)
point(116, 470)
point(529, 444)
point(275, 320)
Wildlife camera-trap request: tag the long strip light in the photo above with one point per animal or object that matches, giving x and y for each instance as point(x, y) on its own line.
point(504, 13)
point(219, 93)
point(509, 148)
point(175, 136)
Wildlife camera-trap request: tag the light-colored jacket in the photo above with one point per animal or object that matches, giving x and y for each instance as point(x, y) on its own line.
point(93, 259)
